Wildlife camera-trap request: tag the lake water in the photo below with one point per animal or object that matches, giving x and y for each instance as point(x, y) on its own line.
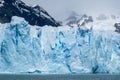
point(59, 77)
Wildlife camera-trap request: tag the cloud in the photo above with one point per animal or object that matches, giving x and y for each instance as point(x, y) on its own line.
point(60, 9)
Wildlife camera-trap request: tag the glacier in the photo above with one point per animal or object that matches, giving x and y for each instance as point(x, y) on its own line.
point(57, 50)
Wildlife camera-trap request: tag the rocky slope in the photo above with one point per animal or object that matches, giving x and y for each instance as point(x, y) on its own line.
point(34, 15)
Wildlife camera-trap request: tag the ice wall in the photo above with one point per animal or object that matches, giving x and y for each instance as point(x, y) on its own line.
point(50, 50)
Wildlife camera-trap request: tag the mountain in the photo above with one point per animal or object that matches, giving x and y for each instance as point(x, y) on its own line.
point(101, 22)
point(78, 20)
point(34, 15)
point(72, 18)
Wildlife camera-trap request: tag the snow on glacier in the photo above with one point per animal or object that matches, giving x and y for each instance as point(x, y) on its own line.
point(49, 50)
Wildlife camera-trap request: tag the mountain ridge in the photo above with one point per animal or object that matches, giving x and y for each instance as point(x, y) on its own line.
point(34, 15)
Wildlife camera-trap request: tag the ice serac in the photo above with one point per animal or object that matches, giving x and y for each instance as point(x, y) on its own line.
point(57, 50)
point(34, 15)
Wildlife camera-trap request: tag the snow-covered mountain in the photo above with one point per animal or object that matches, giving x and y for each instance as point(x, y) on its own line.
point(34, 15)
point(33, 49)
point(101, 22)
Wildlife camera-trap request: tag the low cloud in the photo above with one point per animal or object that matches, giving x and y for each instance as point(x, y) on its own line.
point(60, 9)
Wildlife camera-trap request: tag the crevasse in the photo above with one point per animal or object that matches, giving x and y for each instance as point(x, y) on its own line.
point(50, 50)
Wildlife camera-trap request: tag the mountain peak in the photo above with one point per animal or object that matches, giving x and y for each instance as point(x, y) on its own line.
point(34, 15)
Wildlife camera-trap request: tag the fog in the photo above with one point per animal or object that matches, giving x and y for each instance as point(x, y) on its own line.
point(60, 9)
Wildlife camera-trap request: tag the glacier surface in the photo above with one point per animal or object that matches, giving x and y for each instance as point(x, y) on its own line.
point(57, 50)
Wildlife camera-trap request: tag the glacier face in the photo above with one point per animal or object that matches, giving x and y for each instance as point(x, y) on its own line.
point(52, 50)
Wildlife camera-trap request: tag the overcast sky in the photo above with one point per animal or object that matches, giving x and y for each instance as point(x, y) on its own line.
point(60, 9)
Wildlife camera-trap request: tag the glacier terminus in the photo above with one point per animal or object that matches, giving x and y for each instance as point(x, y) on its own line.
point(57, 50)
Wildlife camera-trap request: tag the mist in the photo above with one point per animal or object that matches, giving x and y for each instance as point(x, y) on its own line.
point(60, 9)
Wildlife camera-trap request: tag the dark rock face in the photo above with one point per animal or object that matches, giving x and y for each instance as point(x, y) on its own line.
point(117, 26)
point(34, 15)
point(85, 19)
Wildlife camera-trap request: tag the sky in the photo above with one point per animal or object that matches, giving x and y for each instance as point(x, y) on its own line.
point(61, 9)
